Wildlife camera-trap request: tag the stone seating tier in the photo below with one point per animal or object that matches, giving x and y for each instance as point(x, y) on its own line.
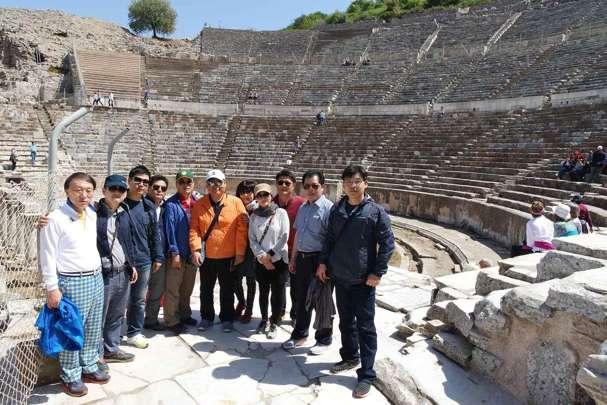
point(110, 72)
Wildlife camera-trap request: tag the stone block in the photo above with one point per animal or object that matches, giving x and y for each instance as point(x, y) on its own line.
point(478, 339)
point(575, 299)
point(433, 327)
point(521, 273)
point(529, 261)
point(484, 362)
point(404, 330)
point(594, 280)
point(395, 382)
point(560, 265)
point(403, 299)
point(493, 281)
point(551, 374)
point(448, 294)
point(528, 302)
point(460, 313)
point(454, 347)
point(415, 338)
point(464, 282)
point(488, 317)
point(438, 311)
point(592, 244)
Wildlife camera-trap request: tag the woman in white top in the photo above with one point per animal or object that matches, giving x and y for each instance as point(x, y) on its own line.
point(268, 235)
point(539, 229)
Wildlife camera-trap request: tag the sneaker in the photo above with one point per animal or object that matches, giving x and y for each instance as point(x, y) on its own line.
point(119, 356)
point(139, 341)
point(361, 390)
point(103, 366)
point(246, 317)
point(318, 349)
point(154, 326)
point(262, 327)
point(239, 308)
point(293, 343)
point(271, 334)
point(344, 365)
point(204, 324)
point(98, 377)
point(178, 328)
point(189, 321)
point(75, 388)
point(227, 326)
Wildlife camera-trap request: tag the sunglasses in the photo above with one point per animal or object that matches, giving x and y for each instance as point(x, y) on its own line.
point(157, 187)
point(139, 180)
point(262, 194)
point(185, 182)
point(286, 183)
point(113, 189)
point(314, 186)
point(215, 182)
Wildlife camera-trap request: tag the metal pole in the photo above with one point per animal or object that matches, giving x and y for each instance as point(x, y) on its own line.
point(110, 150)
point(52, 154)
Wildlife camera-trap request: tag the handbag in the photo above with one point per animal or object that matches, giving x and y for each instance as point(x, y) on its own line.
point(208, 233)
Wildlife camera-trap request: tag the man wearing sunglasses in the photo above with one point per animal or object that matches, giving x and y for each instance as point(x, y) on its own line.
point(148, 253)
point(156, 194)
point(224, 247)
point(181, 272)
point(287, 199)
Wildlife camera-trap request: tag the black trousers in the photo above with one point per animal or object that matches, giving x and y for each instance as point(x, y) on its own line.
point(239, 291)
point(272, 281)
point(210, 271)
point(305, 271)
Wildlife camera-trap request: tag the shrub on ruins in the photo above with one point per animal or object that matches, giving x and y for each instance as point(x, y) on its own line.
point(157, 16)
point(307, 21)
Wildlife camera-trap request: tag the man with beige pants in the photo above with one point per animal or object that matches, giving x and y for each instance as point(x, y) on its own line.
point(181, 273)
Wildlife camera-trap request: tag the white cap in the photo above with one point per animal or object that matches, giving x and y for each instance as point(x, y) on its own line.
point(599, 147)
point(562, 211)
point(216, 174)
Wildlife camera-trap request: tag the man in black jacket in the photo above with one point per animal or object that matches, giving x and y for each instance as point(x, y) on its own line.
point(357, 248)
point(148, 253)
point(596, 164)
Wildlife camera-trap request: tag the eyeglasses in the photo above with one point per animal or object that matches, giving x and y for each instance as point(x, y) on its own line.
point(158, 187)
point(215, 182)
point(184, 182)
point(314, 186)
point(139, 180)
point(356, 182)
point(113, 189)
point(285, 183)
point(263, 194)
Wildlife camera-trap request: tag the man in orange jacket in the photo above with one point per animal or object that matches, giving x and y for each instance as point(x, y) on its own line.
point(224, 247)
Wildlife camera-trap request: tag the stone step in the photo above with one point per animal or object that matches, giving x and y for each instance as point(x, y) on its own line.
point(454, 347)
point(491, 280)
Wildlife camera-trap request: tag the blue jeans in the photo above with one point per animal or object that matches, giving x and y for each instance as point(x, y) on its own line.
point(116, 294)
point(136, 307)
point(356, 308)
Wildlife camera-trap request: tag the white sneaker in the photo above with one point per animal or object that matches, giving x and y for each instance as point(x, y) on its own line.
point(318, 349)
point(139, 341)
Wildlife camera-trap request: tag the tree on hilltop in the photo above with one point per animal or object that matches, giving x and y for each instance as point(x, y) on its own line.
point(152, 15)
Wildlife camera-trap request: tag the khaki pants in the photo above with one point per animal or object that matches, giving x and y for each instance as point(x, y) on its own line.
point(179, 286)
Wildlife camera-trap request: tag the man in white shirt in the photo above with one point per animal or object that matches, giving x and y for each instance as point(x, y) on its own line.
point(71, 268)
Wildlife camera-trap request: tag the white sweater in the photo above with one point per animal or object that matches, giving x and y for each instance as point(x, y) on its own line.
point(68, 245)
point(539, 229)
point(276, 238)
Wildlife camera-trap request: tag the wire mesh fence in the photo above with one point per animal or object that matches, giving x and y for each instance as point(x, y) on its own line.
point(21, 294)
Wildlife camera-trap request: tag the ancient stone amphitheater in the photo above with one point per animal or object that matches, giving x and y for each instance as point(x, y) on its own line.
point(461, 117)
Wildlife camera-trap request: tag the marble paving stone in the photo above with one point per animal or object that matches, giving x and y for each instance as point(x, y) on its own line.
point(161, 392)
point(121, 383)
point(283, 376)
point(336, 389)
point(54, 395)
point(235, 382)
point(404, 299)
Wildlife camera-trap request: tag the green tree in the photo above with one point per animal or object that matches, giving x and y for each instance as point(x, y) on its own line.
point(307, 21)
point(152, 15)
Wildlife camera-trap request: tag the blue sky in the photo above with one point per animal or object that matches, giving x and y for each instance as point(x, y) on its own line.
point(191, 15)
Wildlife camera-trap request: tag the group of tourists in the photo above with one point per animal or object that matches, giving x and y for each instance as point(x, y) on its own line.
point(106, 257)
point(580, 167)
point(13, 159)
point(560, 220)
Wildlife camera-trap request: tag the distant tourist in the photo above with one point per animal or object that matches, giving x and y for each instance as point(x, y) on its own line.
point(246, 192)
point(33, 152)
point(110, 100)
point(268, 236)
point(181, 271)
point(13, 159)
point(218, 240)
point(563, 224)
point(356, 266)
point(567, 166)
point(71, 268)
point(321, 118)
point(597, 163)
point(97, 99)
point(575, 218)
point(584, 214)
point(287, 198)
point(310, 231)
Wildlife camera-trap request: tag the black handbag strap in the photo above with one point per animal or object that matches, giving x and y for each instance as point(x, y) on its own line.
point(213, 222)
point(265, 231)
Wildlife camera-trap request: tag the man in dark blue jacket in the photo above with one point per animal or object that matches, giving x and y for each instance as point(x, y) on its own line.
point(115, 246)
point(147, 251)
point(357, 248)
point(181, 272)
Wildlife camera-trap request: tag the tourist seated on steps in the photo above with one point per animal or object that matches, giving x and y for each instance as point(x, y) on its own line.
point(563, 225)
point(539, 232)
